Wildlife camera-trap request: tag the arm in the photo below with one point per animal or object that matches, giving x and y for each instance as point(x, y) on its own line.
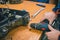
point(43, 17)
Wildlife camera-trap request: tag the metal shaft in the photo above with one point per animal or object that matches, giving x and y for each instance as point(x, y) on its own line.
point(38, 12)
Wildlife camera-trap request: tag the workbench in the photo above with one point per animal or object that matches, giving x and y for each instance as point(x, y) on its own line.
point(23, 32)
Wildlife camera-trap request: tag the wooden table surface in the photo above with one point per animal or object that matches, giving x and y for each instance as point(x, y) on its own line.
point(23, 32)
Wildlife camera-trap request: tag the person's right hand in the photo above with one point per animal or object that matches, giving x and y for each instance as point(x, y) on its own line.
point(53, 34)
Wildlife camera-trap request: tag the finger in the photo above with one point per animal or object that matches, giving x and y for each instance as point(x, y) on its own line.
point(47, 32)
point(51, 28)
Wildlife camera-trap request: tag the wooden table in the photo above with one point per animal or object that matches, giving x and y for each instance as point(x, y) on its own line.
point(23, 32)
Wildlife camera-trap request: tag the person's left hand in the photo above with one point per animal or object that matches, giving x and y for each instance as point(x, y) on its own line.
point(53, 34)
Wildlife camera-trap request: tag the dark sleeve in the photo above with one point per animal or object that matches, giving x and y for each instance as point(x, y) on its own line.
point(59, 38)
point(59, 27)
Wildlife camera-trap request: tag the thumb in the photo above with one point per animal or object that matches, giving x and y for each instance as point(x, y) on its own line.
point(51, 28)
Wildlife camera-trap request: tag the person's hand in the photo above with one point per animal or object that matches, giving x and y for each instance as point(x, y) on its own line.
point(53, 34)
